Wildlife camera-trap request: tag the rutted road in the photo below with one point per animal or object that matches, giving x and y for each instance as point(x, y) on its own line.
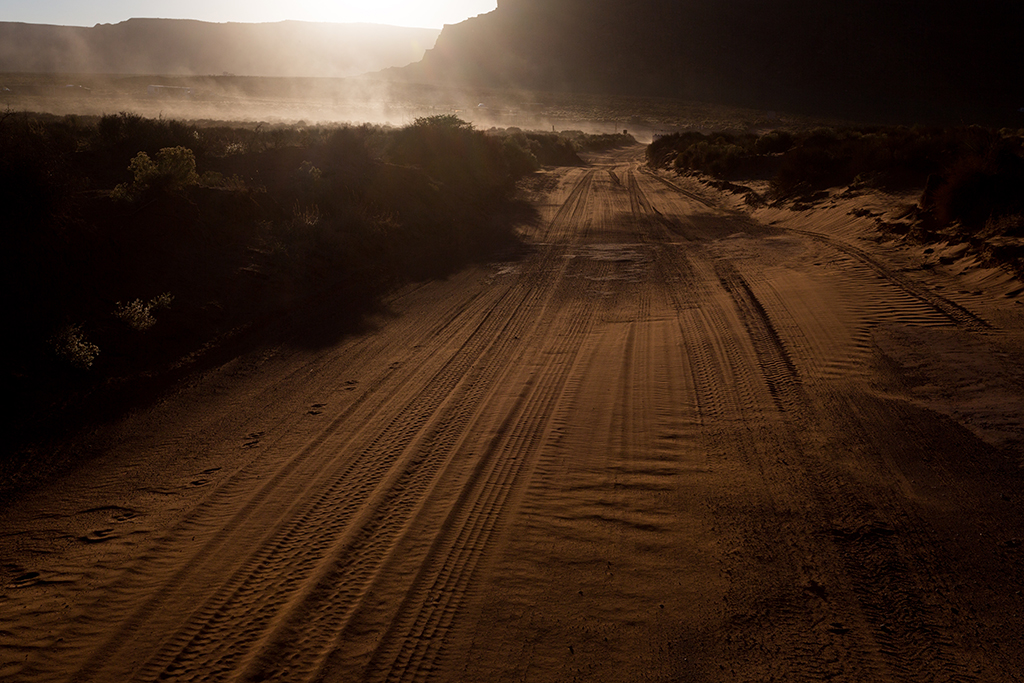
point(669, 443)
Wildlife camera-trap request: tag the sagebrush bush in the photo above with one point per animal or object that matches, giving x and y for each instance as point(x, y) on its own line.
point(977, 188)
point(886, 157)
point(118, 135)
point(174, 169)
point(70, 346)
point(595, 142)
point(325, 219)
point(138, 314)
point(452, 152)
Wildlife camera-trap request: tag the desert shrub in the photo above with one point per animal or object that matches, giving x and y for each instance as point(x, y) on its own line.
point(36, 178)
point(138, 314)
point(978, 188)
point(721, 155)
point(665, 148)
point(596, 142)
point(973, 177)
point(118, 135)
point(774, 142)
point(520, 157)
point(70, 346)
point(450, 151)
point(219, 180)
point(812, 166)
point(308, 216)
point(309, 180)
point(174, 169)
point(364, 206)
point(896, 157)
point(354, 148)
point(527, 151)
point(553, 149)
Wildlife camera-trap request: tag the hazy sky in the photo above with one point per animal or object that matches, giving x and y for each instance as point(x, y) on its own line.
point(417, 13)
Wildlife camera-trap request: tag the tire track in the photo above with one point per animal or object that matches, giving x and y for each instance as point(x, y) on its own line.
point(412, 487)
point(306, 538)
point(395, 500)
point(672, 186)
point(163, 554)
point(416, 640)
point(645, 418)
point(415, 637)
point(573, 210)
point(878, 606)
point(642, 207)
point(950, 309)
point(776, 365)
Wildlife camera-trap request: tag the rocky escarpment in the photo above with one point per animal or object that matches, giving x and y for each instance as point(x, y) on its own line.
point(864, 58)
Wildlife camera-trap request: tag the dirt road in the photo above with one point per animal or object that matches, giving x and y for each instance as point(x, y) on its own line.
point(669, 443)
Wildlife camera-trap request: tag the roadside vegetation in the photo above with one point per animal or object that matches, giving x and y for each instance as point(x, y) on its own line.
point(970, 180)
point(137, 249)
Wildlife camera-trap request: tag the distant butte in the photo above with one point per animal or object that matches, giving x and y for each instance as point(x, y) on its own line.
point(186, 47)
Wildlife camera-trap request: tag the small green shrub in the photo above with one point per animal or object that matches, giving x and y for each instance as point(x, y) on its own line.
point(174, 169)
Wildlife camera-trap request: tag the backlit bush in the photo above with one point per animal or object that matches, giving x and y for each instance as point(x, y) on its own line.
point(70, 345)
point(138, 314)
point(174, 169)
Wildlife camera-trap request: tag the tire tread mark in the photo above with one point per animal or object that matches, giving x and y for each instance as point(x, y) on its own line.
point(573, 207)
point(777, 366)
point(415, 639)
point(950, 309)
point(386, 499)
point(686, 193)
point(642, 206)
point(415, 495)
point(259, 563)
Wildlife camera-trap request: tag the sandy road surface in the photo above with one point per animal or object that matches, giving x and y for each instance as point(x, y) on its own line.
point(668, 444)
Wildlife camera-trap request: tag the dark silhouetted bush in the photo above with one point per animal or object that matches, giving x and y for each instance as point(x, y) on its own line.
point(978, 188)
point(883, 157)
point(241, 224)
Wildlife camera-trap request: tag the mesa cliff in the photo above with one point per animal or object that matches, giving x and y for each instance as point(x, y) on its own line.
point(864, 58)
point(186, 47)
